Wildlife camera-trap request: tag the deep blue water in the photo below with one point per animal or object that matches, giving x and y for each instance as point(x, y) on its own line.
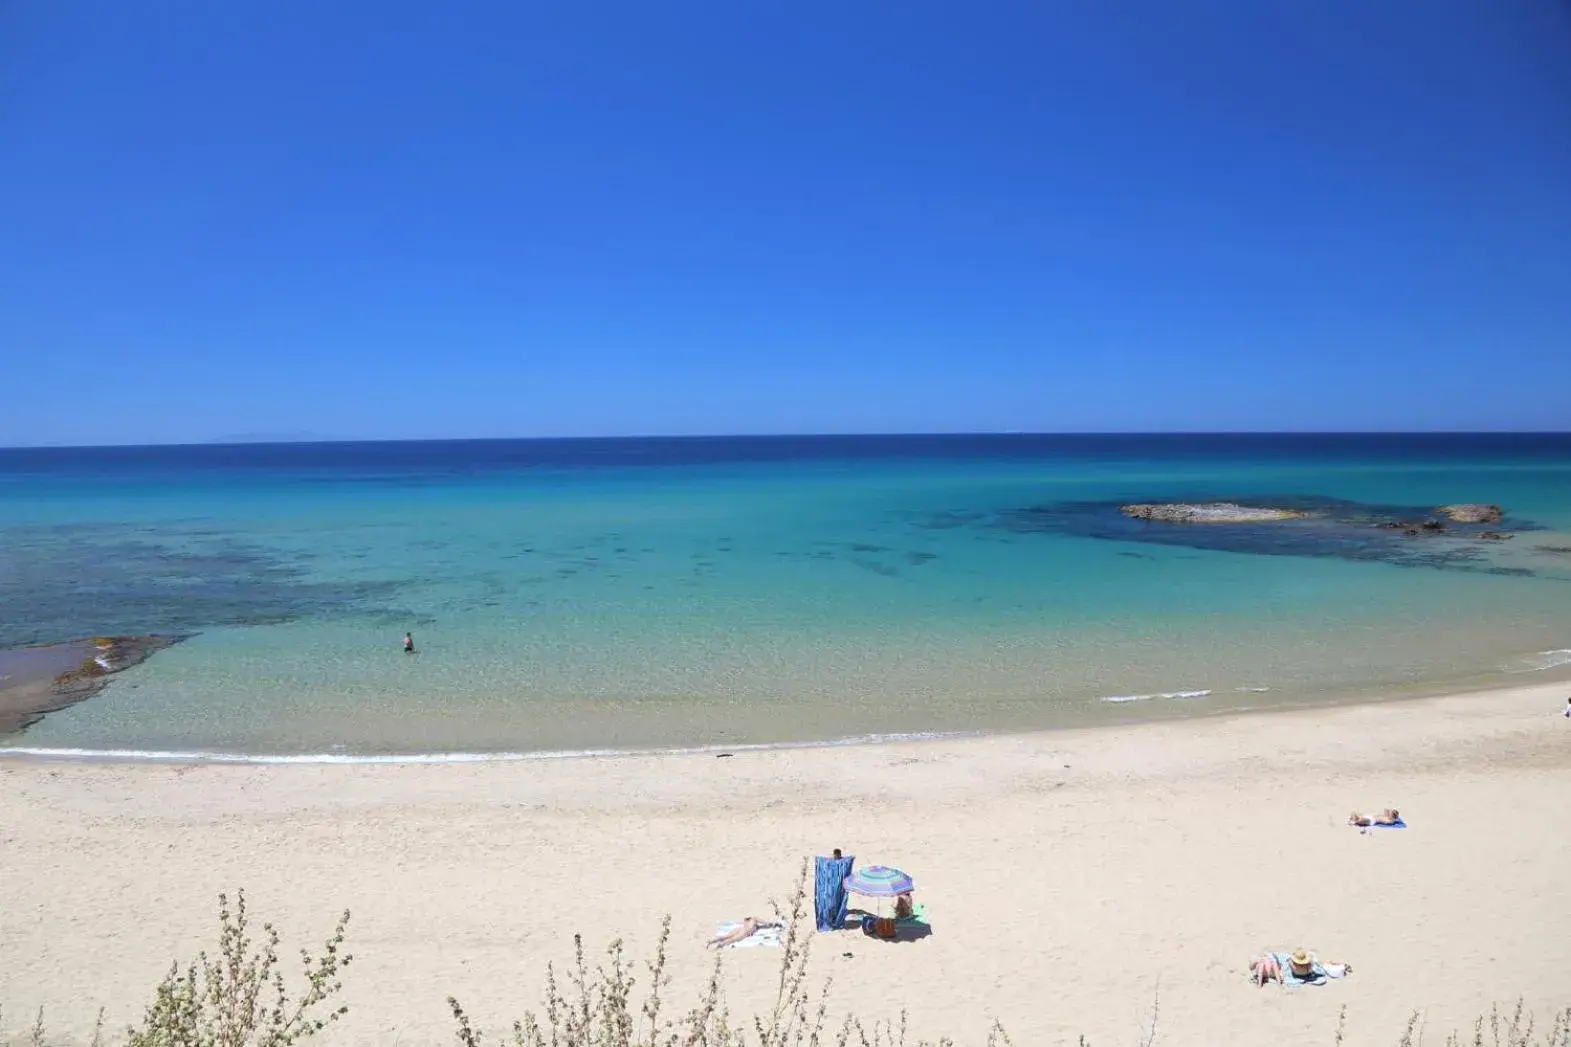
point(438, 458)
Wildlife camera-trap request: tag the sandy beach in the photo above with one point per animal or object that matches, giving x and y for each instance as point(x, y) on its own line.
point(1070, 877)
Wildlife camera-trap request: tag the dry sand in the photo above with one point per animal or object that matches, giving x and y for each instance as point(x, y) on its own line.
point(1066, 874)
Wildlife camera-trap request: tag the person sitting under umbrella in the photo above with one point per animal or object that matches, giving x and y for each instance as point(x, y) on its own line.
point(905, 908)
point(880, 881)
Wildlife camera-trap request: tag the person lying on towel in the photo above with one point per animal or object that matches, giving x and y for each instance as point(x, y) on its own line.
point(1300, 967)
point(1389, 816)
point(746, 929)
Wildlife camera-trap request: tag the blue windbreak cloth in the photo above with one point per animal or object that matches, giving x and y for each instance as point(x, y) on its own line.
point(829, 892)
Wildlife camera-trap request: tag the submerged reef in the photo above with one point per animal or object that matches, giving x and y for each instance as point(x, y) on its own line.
point(1455, 537)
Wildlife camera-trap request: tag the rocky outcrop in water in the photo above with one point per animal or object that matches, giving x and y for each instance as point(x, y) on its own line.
point(1208, 513)
point(91, 662)
point(1278, 524)
point(107, 655)
point(1471, 513)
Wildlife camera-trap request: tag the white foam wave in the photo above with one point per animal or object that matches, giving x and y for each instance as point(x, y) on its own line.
point(1537, 663)
point(203, 756)
point(1154, 697)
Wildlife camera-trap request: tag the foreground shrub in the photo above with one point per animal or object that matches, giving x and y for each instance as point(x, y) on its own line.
point(239, 998)
point(1513, 1031)
point(596, 1009)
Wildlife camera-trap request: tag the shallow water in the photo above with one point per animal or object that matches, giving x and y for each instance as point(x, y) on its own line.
point(626, 593)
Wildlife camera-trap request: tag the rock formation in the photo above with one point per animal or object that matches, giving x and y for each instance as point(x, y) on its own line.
point(26, 702)
point(1471, 513)
point(1208, 513)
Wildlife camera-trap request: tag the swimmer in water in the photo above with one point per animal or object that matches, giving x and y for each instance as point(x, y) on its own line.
point(409, 643)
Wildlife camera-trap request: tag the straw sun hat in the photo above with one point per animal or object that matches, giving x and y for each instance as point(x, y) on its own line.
point(1300, 958)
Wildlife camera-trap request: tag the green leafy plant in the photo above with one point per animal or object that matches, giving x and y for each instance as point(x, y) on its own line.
point(239, 998)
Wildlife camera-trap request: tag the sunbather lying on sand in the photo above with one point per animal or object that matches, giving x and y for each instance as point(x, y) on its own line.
point(1389, 816)
point(1300, 967)
point(749, 926)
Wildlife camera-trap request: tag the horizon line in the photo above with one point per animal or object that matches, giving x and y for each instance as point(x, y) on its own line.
point(327, 441)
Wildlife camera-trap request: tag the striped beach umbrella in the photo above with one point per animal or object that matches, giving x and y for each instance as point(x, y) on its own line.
point(879, 881)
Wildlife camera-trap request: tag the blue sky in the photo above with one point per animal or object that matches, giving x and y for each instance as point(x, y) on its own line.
point(394, 219)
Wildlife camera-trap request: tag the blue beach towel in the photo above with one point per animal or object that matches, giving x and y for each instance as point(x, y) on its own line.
point(829, 892)
point(1317, 974)
point(1398, 824)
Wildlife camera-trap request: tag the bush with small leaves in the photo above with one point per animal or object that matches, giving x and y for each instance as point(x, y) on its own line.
point(239, 998)
point(596, 1008)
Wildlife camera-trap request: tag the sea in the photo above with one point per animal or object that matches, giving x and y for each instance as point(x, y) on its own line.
point(607, 595)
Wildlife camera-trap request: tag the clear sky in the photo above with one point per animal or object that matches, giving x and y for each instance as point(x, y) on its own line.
point(395, 219)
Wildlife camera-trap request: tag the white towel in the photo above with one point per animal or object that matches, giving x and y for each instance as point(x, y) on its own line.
point(764, 937)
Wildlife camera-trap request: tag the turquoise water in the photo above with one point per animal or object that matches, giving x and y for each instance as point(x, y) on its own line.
point(617, 594)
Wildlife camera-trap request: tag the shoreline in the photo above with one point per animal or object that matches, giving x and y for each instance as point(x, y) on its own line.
point(1184, 711)
point(1098, 860)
